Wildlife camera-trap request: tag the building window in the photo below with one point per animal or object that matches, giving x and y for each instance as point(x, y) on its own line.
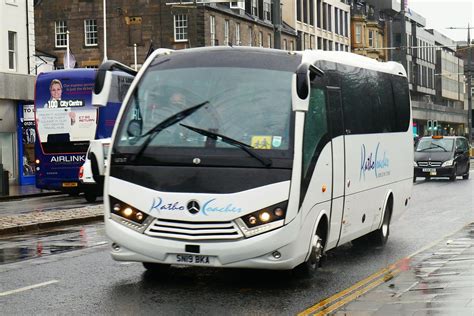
point(12, 50)
point(358, 31)
point(269, 40)
point(336, 20)
point(254, 7)
point(267, 10)
point(329, 28)
point(90, 32)
point(346, 23)
point(371, 38)
point(318, 13)
point(305, 11)
point(180, 28)
point(260, 39)
point(226, 33)
point(212, 28)
point(341, 23)
point(292, 46)
point(311, 12)
point(237, 34)
point(60, 33)
point(285, 44)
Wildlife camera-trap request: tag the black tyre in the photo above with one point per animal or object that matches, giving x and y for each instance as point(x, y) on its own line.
point(466, 175)
point(453, 175)
point(380, 236)
point(90, 196)
point(156, 268)
point(315, 259)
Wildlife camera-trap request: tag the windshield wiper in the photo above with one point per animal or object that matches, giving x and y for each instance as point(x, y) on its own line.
point(431, 147)
point(173, 119)
point(247, 148)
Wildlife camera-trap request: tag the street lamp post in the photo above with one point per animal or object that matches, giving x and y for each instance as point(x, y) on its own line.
point(468, 78)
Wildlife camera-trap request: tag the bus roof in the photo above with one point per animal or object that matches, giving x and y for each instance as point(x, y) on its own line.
point(351, 59)
point(310, 56)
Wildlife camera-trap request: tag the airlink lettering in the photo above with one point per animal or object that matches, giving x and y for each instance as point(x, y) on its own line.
point(377, 163)
point(68, 159)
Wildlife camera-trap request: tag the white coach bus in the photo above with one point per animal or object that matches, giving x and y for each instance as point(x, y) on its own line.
point(256, 158)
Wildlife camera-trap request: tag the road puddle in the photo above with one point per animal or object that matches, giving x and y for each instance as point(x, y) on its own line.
point(45, 243)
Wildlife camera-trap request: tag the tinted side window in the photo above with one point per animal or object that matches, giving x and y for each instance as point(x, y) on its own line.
point(401, 96)
point(373, 102)
point(316, 133)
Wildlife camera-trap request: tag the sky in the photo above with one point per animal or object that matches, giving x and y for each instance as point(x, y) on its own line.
point(440, 14)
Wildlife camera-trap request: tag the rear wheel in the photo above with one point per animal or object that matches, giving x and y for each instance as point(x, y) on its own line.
point(380, 236)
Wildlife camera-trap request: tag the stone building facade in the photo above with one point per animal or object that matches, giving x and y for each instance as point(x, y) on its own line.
point(147, 23)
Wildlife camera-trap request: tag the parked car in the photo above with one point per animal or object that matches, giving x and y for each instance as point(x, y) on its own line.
point(96, 153)
point(442, 156)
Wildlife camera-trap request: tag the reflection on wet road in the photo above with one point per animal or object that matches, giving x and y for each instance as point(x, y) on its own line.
point(49, 242)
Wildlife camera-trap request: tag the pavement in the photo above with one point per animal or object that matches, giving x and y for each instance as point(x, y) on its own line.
point(438, 280)
point(35, 220)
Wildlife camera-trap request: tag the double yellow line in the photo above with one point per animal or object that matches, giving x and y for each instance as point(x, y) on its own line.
point(342, 298)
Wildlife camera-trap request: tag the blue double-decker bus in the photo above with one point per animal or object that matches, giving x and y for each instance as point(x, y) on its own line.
point(66, 121)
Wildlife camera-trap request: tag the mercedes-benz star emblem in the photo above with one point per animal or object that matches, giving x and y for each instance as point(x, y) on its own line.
point(193, 207)
point(196, 161)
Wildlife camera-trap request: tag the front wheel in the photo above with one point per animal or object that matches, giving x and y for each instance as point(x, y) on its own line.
point(466, 175)
point(156, 268)
point(313, 262)
point(453, 176)
point(90, 196)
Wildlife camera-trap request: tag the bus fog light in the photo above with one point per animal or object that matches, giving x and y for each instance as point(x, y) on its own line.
point(116, 208)
point(115, 247)
point(276, 254)
point(37, 161)
point(264, 217)
point(139, 216)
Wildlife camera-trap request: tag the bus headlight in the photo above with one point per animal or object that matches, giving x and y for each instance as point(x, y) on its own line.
point(127, 214)
point(447, 163)
point(263, 220)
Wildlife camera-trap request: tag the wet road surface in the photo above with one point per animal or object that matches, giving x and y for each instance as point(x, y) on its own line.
point(87, 281)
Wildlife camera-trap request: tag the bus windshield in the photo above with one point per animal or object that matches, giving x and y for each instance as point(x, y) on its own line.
point(248, 105)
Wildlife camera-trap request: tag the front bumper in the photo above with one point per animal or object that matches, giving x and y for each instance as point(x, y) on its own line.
point(434, 171)
point(255, 252)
